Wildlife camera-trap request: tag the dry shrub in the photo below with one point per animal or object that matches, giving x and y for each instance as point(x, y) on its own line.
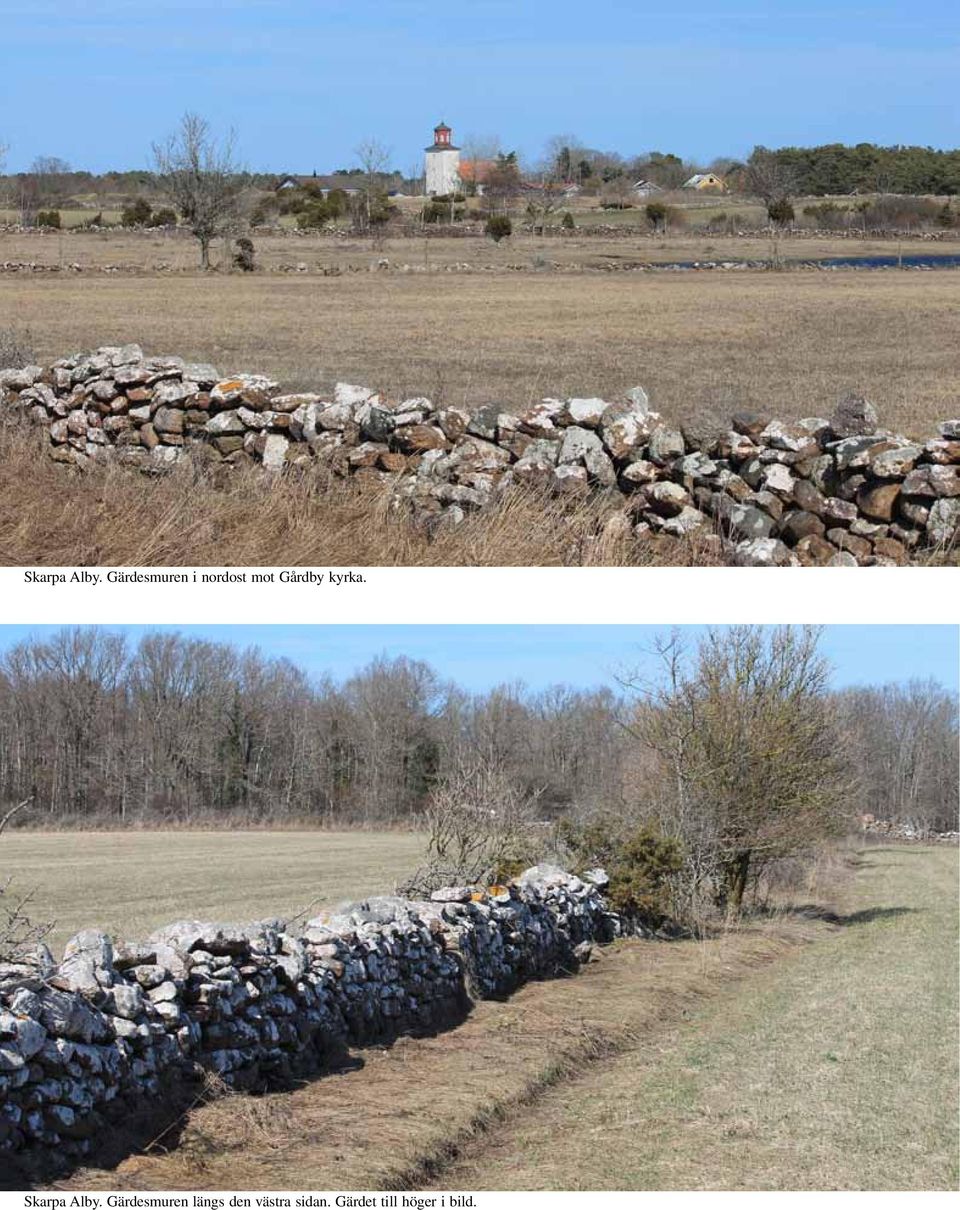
point(199, 515)
point(16, 348)
point(20, 934)
point(482, 830)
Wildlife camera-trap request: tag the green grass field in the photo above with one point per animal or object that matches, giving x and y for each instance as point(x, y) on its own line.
point(836, 1069)
point(129, 883)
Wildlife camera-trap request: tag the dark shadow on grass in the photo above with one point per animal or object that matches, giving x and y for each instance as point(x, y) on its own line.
point(816, 911)
point(868, 915)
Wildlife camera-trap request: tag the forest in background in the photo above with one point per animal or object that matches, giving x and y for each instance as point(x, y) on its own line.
point(173, 730)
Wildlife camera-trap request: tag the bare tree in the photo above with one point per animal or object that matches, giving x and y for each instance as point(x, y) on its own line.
point(904, 739)
point(374, 160)
point(563, 153)
point(480, 152)
point(202, 178)
point(619, 191)
point(50, 173)
point(766, 176)
point(546, 196)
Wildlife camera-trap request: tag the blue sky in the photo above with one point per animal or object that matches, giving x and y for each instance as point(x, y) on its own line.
point(304, 81)
point(479, 657)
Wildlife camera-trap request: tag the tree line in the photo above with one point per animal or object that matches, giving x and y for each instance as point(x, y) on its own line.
point(94, 729)
point(835, 168)
point(171, 729)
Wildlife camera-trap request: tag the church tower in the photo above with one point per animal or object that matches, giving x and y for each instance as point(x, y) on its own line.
point(442, 163)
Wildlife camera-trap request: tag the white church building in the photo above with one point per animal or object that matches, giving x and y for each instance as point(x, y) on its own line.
point(442, 163)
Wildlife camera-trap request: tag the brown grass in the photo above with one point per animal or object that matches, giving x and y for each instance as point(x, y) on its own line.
point(279, 251)
point(703, 345)
point(53, 516)
point(752, 1060)
point(788, 343)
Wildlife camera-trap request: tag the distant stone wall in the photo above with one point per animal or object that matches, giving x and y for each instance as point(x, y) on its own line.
point(113, 1026)
point(842, 491)
point(891, 830)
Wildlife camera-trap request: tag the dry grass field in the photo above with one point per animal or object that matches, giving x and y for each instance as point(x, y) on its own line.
point(622, 239)
point(129, 883)
point(702, 344)
point(787, 343)
point(805, 1051)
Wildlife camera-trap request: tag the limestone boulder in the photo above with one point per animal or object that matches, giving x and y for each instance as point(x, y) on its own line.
point(855, 416)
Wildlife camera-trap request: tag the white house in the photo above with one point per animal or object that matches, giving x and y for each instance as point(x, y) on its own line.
point(644, 188)
point(442, 163)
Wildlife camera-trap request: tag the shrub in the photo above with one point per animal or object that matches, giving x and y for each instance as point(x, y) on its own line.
point(616, 204)
point(498, 227)
point(727, 223)
point(638, 860)
point(20, 935)
point(375, 211)
point(165, 217)
point(660, 216)
point(827, 214)
point(49, 218)
point(243, 258)
point(136, 214)
point(656, 213)
point(567, 222)
point(313, 215)
point(438, 211)
point(781, 211)
point(336, 203)
point(895, 212)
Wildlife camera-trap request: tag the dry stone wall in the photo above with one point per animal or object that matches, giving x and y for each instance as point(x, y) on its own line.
point(841, 491)
point(86, 1041)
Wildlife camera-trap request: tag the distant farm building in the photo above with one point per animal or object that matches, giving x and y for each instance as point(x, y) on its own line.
point(646, 188)
point(321, 184)
point(705, 181)
point(474, 173)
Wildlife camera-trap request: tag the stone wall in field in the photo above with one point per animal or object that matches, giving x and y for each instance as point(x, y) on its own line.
point(842, 491)
point(86, 1041)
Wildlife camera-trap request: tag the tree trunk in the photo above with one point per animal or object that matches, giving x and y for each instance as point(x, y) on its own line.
point(204, 253)
point(736, 881)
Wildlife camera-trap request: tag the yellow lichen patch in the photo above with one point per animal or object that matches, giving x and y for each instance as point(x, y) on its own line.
point(496, 889)
point(478, 896)
point(231, 384)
